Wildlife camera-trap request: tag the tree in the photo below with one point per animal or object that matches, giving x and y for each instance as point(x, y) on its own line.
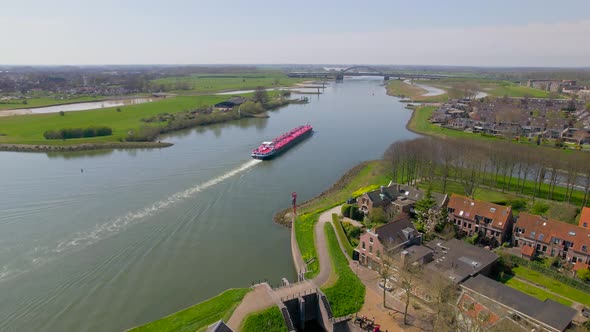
point(260, 95)
point(409, 275)
point(377, 216)
point(424, 205)
point(384, 273)
point(583, 274)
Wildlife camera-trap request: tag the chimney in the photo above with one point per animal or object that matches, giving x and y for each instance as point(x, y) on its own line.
point(404, 257)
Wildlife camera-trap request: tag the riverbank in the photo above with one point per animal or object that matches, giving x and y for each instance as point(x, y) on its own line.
point(83, 147)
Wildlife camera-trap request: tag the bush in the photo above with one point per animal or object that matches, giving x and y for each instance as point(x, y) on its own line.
point(346, 210)
point(539, 208)
point(356, 214)
point(517, 204)
point(69, 133)
point(144, 134)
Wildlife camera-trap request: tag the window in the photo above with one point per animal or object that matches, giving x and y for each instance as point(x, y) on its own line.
point(533, 234)
point(541, 237)
point(584, 248)
point(544, 249)
point(552, 252)
point(574, 259)
point(363, 245)
point(370, 249)
point(585, 224)
point(469, 226)
point(370, 240)
point(378, 254)
point(538, 247)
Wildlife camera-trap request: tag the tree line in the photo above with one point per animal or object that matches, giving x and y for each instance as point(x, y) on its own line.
point(538, 172)
point(68, 133)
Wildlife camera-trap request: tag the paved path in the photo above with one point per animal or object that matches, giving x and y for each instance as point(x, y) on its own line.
point(322, 247)
point(258, 299)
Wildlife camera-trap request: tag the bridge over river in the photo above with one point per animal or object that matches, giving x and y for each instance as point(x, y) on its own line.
point(339, 75)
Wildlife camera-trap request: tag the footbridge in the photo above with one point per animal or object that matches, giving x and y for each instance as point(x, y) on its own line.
point(339, 75)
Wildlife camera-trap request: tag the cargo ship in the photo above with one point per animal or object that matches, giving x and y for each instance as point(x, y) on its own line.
point(269, 150)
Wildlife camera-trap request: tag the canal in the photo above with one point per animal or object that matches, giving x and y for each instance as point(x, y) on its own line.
point(107, 240)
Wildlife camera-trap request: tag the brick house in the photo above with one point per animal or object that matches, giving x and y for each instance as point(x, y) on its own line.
point(585, 218)
point(395, 198)
point(471, 216)
point(373, 244)
point(537, 235)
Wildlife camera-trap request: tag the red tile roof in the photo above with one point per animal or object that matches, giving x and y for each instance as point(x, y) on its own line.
point(585, 217)
point(527, 251)
point(542, 229)
point(468, 208)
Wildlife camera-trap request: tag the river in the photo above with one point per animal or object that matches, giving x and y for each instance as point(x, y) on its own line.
point(107, 240)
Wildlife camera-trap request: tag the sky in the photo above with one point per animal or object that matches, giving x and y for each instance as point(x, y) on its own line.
point(494, 33)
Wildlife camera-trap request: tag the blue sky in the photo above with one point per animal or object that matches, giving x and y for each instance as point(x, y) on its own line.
point(486, 33)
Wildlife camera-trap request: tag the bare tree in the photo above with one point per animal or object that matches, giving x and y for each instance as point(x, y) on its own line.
point(408, 278)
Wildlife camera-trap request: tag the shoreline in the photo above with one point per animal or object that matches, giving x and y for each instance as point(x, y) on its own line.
point(82, 147)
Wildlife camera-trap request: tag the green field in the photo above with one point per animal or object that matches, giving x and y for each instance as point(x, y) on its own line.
point(45, 101)
point(199, 316)
point(304, 225)
point(534, 291)
point(347, 294)
point(269, 320)
point(552, 285)
point(29, 129)
point(207, 83)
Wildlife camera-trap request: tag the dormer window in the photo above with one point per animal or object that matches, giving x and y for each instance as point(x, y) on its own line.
point(533, 234)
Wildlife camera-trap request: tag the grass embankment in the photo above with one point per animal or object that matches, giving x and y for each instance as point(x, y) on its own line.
point(534, 291)
point(347, 294)
point(552, 285)
point(342, 235)
point(199, 316)
point(268, 320)
point(46, 101)
point(207, 83)
point(305, 236)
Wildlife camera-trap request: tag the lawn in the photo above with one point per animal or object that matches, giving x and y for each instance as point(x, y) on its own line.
point(304, 226)
point(207, 83)
point(29, 129)
point(535, 292)
point(269, 320)
point(201, 315)
point(552, 285)
point(46, 101)
point(347, 294)
point(455, 88)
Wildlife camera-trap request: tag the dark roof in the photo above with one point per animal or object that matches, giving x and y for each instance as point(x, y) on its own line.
point(219, 326)
point(397, 232)
point(548, 312)
point(395, 191)
point(458, 260)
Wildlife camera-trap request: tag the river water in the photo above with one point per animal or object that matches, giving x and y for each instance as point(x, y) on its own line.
point(107, 240)
point(75, 107)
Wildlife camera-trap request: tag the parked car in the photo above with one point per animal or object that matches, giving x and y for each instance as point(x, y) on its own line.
point(586, 312)
point(351, 201)
point(388, 285)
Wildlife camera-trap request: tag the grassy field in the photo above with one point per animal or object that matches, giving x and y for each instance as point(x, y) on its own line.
point(45, 101)
point(269, 320)
point(455, 88)
point(29, 129)
point(305, 236)
point(342, 235)
point(201, 315)
point(207, 83)
point(534, 291)
point(552, 285)
point(347, 294)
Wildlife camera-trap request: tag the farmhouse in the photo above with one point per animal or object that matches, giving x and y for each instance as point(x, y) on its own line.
point(395, 198)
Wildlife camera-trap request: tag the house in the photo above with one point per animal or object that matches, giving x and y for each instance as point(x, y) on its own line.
point(232, 102)
point(492, 221)
point(457, 260)
point(585, 218)
point(396, 234)
point(396, 198)
point(538, 235)
point(219, 326)
point(497, 301)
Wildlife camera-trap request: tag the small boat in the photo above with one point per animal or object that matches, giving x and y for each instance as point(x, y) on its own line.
point(271, 149)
